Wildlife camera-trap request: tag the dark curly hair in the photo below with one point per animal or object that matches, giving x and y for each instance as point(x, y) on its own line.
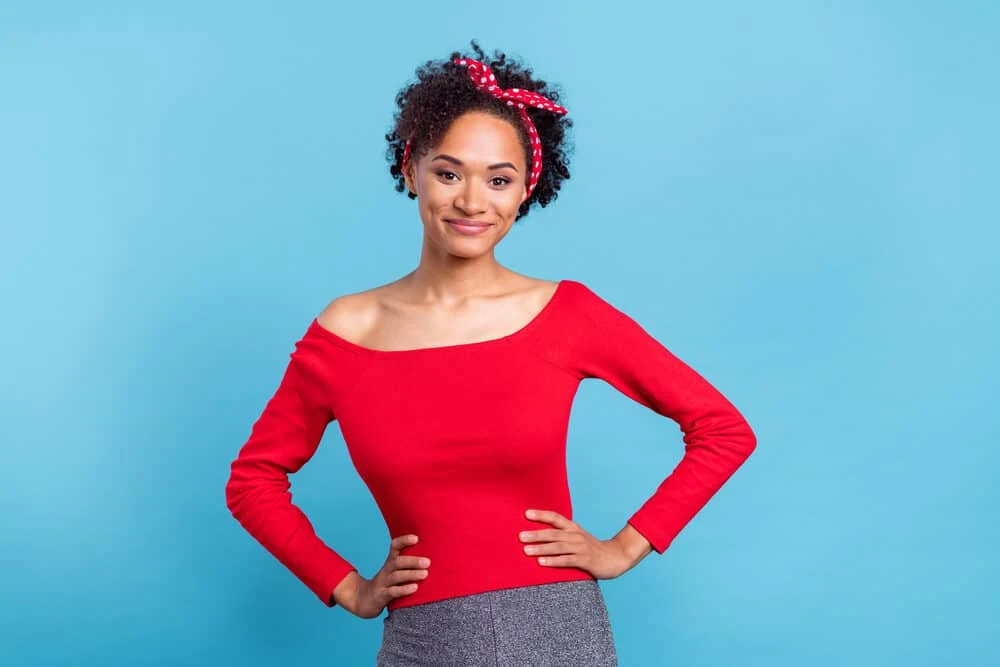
point(443, 92)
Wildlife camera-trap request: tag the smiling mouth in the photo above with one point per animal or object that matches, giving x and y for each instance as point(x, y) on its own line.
point(467, 223)
point(468, 227)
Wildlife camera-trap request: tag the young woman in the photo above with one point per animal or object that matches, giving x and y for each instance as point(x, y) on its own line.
point(453, 387)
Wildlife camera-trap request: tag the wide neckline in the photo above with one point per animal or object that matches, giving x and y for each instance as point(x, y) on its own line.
point(319, 329)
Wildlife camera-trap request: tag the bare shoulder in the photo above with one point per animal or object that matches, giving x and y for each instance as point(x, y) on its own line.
point(544, 289)
point(550, 285)
point(350, 315)
point(529, 293)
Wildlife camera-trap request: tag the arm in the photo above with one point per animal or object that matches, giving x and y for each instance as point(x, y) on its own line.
point(717, 438)
point(282, 440)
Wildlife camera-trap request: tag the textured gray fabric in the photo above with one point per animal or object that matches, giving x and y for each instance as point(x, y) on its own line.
point(550, 625)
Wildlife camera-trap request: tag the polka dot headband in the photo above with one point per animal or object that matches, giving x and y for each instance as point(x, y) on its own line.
point(483, 77)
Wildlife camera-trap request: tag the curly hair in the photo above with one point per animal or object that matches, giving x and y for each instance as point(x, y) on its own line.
point(443, 92)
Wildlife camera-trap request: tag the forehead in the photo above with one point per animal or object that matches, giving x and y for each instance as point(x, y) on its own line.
point(478, 135)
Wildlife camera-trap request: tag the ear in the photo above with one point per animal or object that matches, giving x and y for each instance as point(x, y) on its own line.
point(409, 178)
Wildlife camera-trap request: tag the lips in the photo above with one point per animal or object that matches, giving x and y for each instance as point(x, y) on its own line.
point(467, 227)
point(467, 223)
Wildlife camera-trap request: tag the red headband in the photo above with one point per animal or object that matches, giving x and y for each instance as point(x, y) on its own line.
point(482, 76)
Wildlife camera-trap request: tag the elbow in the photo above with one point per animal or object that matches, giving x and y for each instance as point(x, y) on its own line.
point(234, 493)
point(749, 440)
point(231, 497)
point(739, 437)
point(249, 490)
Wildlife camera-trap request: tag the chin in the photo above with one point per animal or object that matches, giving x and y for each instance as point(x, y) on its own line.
point(468, 247)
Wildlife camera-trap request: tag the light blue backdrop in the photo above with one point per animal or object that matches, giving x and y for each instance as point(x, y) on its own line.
point(798, 198)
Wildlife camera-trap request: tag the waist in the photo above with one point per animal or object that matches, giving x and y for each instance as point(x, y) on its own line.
point(449, 578)
point(478, 549)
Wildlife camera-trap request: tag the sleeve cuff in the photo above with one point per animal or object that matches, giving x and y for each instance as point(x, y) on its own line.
point(337, 575)
point(656, 539)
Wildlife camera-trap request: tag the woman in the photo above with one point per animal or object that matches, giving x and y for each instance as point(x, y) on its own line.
point(453, 387)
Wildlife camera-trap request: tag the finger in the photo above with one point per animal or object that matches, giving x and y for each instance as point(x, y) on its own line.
point(401, 542)
point(548, 516)
point(551, 548)
point(547, 535)
point(399, 591)
point(559, 561)
point(411, 562)
point(400, 577)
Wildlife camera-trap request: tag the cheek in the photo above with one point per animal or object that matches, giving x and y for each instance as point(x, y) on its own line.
point(512, 199)
point(436, 194)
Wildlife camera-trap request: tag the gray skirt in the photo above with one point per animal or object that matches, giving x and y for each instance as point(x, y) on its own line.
point(564, 623)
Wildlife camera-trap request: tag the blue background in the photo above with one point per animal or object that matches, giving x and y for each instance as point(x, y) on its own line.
point(798, 198)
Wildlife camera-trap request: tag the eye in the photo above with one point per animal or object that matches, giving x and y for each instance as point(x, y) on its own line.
point(500, 181)
point(444, 173)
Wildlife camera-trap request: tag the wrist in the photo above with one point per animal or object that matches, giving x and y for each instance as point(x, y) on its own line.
point(346, 592)
point(634, 546)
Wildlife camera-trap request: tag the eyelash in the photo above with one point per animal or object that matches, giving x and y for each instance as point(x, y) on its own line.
point(504, 180)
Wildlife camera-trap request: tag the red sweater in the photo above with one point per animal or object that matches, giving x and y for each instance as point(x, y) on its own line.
point(456, 442)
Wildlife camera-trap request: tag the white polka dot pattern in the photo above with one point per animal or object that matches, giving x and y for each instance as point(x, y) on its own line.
point(482, 76)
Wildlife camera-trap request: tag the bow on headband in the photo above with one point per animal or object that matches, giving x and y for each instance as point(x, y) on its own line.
point(482, 76)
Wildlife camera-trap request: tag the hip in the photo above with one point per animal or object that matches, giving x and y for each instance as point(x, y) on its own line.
point(562, 623)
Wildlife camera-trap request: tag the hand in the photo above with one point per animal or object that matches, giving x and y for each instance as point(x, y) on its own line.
point(368, 597)
point(569, 545)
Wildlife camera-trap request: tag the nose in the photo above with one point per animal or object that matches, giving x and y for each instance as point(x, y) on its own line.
point(471, 198)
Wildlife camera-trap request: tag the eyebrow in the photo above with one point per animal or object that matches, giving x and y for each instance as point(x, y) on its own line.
point(455, 160)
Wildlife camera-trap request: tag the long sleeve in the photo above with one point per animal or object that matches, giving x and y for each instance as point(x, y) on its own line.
point(717, 438)
point(282, 440)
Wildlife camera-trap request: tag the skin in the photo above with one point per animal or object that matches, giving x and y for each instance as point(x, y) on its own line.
point(457, 285)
